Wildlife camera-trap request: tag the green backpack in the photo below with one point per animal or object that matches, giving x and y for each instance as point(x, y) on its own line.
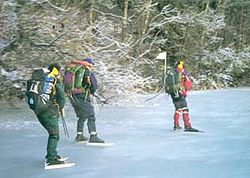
point(172, 81)
point(73, 77)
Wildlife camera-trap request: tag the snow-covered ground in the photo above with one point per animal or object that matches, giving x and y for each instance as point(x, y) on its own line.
point(145, 145)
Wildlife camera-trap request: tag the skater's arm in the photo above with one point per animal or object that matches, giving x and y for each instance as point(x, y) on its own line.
point(60, 97)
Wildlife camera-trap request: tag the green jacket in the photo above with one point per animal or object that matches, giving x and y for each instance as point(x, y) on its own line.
point(59, 97)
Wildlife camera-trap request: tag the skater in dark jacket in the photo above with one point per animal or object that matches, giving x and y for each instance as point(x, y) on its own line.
point(179, 99)
point(53, 94)
point(83, 107)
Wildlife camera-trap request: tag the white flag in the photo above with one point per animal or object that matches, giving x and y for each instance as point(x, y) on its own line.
point(162, 55)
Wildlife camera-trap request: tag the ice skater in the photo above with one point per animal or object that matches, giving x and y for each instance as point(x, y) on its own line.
point(45, 97)
point(178, 95)
point(84, 85)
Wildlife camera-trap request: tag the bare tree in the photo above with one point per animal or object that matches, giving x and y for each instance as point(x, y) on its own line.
point(125, 18)
point(123, 41)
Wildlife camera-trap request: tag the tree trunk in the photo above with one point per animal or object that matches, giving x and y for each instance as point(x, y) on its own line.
point(241, 26)
point(221, 10)
point(125, 18)
point(144, 28)
point(183, 46)
point(220, 6)
point(207, 6)
point(91, 13)
point(90, 19)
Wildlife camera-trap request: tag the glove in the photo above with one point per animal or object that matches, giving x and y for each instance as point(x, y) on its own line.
point(62, 112)
point(184, 93)
point(88, 80)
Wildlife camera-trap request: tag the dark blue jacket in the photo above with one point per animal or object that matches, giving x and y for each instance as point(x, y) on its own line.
point(93, 85)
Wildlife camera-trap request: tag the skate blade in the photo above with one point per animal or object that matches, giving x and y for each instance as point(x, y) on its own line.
point(99, 144)
point(58, 166)
point(81, 142)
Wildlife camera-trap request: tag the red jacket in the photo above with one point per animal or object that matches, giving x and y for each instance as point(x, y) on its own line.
point(186, 84)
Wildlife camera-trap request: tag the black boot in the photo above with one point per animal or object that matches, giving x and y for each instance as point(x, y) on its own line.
point(55, 161)
point(80, 138)
point(57, 157)
point(177, 128)
point(190, 129)
point(95, 139)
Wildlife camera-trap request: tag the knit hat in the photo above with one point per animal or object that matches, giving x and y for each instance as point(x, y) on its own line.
point(56, 65)
point(89, 60)
point(180, 64)
point(54, 72)
point(55, 69)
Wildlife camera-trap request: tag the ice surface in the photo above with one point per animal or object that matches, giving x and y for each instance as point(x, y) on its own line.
point(145, 145)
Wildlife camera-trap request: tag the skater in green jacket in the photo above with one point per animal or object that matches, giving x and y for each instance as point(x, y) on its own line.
point(53, 100)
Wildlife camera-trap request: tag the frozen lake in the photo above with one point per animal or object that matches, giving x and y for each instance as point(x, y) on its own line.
point(145, 145)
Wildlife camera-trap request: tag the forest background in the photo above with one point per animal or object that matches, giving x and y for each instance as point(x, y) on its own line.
point(124, 38)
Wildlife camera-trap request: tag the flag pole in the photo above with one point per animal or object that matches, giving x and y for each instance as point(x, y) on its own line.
point(165, 69)
point(163, 56)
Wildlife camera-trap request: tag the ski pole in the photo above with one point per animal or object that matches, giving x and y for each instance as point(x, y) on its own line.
point(154, 95)
point(102, 99)
point(65, 128)
point(95, 104)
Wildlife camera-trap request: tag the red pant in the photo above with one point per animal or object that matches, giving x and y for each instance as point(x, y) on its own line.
point(186, 119)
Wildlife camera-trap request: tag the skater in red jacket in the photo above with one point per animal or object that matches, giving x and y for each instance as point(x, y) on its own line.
point(179, 99)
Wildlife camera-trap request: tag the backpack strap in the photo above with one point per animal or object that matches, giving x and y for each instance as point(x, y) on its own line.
point(49, 88)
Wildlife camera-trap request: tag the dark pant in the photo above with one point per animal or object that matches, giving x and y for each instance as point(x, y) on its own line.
point(84, 111)
point(90, 123)
point(50, 122)
point(181, 108)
